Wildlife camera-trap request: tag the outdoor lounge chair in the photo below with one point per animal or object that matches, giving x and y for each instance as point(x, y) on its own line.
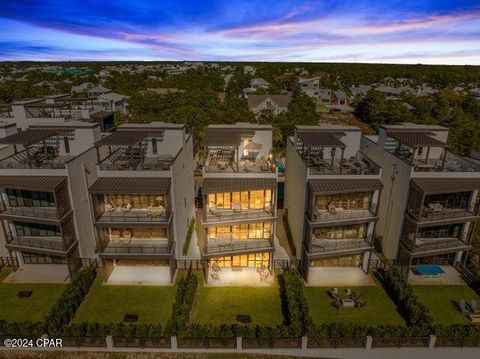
point(360, 305)
point(461, 306)
point(473, 306)
point(337, 304)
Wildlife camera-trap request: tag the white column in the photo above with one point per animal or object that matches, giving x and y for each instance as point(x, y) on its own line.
point(365, 261)
point(431, 341)
point(109, 341)
point(368, 342)
point(173, 343)
point(239, 343)
point(304, 343)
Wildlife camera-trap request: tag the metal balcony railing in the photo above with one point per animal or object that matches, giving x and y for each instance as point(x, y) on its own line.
point(133, 216)
point(320, 245)
point(340, 214)
point(231, 215)
point(137, 248)
point(446, 213)
point(225, 244)
point(54, 244)
point(433, 245)
point(38, 212)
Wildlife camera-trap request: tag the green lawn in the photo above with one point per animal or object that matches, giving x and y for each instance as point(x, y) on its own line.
point(221, 305)
point(110, 303)
point(379, 310)
point(33, 308)
point(440, 299)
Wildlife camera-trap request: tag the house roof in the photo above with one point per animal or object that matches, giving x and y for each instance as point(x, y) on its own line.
point(130, 185)
point(343, 185)
point(212, 185)
point(341, 95)
point(45, 183)
point(260, 81)
point(127, 137)
point(321, 139)
point(416, 138)
point(221, 138)
point(28, 136)
point(281, 100)
point(446, 185)
point(112, 96)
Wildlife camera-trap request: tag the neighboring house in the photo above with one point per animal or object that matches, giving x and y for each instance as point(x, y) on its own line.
point(476, 93)
point(331, 195)
point(429, 201)
point(255, 84)
point(249, 70)
point(98, 90)
point(340, 98)
point(84, 87)
point(4, 79)
point(239, 195)
point(112, 101)
point(275, 103)
point(142, 201)
point(360, 90)
point(311, 87)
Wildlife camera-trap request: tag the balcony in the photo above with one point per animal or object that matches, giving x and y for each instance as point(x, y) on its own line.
point(340, 214)
point(138, 246)
point(131, 159)
point(359, 165)
point(228, 243)
point(439, 213)
point(229, 165)
point(427, 245)
point(329, 246)
point(52, 213)
point(58, 244)
point(213, 215)
point(136, 216)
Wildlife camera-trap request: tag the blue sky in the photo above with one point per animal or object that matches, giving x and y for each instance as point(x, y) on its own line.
point(446, 32)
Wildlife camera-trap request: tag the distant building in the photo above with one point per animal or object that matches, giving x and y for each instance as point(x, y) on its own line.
point(275, 103)
point(255, 84)
point(340, 98)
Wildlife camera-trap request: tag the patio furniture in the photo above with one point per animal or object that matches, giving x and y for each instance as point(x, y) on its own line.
point(461, 306)
point(214, 276)
point(127, 235)
point(216, 268)
point(347, 303)
point(436, 207)
point(237, 208)
point(332, 209)
point(473, 306)
point(109, 207)
point(337, 304)
point(127, 207)
point(115, 236)
point(348, 291)
point(360, 305)
point(332, 293)
point(213, 210)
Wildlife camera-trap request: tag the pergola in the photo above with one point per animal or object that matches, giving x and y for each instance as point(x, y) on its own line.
point(126, 138)
point(415, 140)
point(226, 139)
point(313, 142)
point(30, 137)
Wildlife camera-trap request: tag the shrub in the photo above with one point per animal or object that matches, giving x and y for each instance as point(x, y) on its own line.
point(397, 287)
point(64, 309)
point(294, 303)
point(188, 239)
point(288, 232)
point(181, 308)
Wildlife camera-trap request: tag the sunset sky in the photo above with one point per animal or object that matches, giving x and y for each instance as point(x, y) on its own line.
point(446, 32)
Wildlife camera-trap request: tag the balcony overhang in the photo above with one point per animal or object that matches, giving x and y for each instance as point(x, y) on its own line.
point(341, 220)
point(419, 252)
point(335, 252)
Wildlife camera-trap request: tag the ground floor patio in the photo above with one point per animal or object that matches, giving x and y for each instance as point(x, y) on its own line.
point(239, 276)
point(338, 276)
point(139, 275)
point(450, 277)
point(40, 273)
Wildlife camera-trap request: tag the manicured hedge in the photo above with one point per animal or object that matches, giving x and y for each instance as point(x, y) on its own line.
point(90, 329)
point(64, 309)
point(182, 307)
point(294, 303)
point(397, 287)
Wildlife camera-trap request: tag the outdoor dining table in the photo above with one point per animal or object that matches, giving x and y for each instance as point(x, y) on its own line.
point(348, 303)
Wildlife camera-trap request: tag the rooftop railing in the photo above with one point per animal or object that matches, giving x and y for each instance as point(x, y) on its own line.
point(219, 215)
point(422, 245)
point(342, 214)
point(37, 212)
point(54, 244)
point(324, 245)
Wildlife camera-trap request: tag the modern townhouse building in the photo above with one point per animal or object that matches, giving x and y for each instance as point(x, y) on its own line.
point(239, 197)
point(143, 201)
point(430, 201)
point(331, 194)
point(57, 109)
point(45, 218)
